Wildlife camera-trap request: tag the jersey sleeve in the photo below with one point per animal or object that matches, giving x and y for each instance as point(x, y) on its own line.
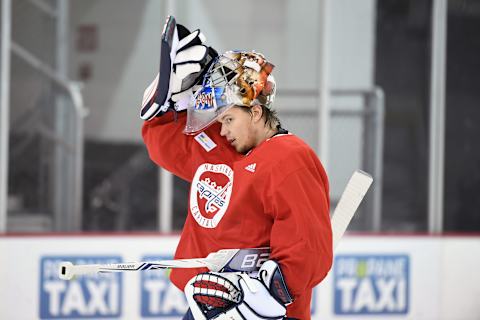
point(167, 146)
point(301, 236)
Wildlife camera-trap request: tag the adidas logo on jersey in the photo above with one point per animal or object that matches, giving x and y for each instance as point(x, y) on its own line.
point(251, 167)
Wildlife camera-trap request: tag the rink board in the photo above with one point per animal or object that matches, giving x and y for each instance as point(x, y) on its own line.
point(377, 277)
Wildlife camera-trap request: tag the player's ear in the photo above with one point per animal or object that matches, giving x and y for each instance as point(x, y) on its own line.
point(257, 112)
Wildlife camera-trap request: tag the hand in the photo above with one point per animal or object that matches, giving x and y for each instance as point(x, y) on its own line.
point(183, 61)
point(234, 295)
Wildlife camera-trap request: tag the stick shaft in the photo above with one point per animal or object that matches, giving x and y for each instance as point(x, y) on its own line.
point(68, 270)
point(214, 262)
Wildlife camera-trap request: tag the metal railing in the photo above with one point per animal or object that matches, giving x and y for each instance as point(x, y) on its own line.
point(371, 115)
point(63, 130)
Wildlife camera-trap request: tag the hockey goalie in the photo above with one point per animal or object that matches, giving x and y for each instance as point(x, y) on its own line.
point(210, 120)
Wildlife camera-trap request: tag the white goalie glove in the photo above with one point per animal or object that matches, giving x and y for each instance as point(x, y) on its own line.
point(183, 59)
point(235, 295)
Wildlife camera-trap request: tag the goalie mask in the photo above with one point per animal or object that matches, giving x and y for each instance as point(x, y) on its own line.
point(236, 78)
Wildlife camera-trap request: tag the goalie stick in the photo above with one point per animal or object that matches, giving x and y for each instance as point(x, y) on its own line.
point(225, 260)
point(236, 259)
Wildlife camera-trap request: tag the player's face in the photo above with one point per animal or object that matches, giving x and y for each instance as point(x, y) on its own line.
point(239, 128)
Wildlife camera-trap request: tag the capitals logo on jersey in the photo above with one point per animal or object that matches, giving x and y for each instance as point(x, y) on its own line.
point(210, 193)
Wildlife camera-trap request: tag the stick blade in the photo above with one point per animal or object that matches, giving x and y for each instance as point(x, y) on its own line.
point(350, 200)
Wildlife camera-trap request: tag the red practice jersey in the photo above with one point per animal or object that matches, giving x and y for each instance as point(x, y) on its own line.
point(275, 196)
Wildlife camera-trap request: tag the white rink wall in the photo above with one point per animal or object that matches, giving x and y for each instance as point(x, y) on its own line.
point(380, 277)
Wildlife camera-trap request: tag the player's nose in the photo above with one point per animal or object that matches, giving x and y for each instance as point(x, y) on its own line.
point(223, 130)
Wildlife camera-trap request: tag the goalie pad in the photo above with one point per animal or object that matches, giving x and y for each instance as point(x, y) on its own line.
point(235, 295)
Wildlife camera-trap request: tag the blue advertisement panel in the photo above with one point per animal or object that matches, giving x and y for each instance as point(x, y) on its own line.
point(87, 297)
point(371, 284)
point(159, 297)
